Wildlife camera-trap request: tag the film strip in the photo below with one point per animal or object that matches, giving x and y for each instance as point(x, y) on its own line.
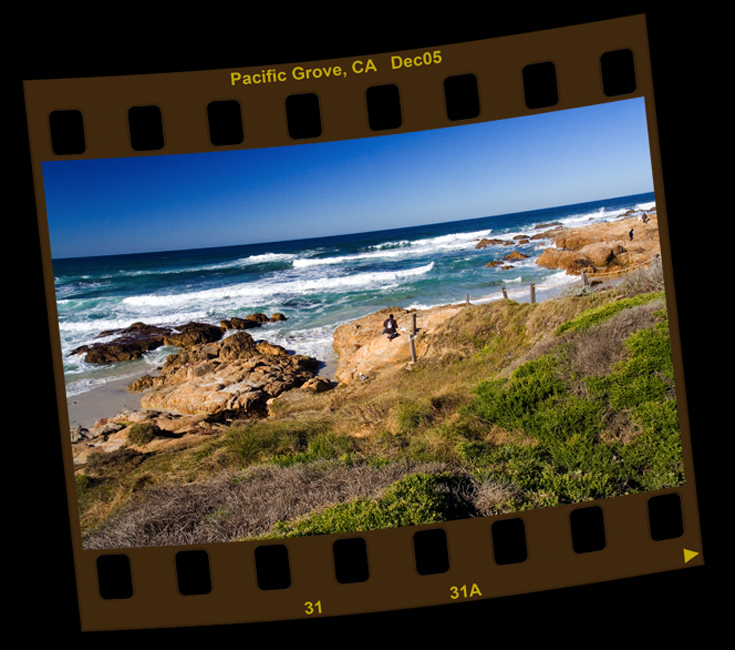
point(79, 128)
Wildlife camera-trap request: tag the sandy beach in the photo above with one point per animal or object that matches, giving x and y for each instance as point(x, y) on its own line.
point(103, 402)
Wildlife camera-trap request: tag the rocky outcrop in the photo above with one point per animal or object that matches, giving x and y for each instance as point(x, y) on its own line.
point(197, 391)
point(218, 375)
point(361, 347)
point(517, 240)
point(484, 243)
point(234, 377)
point(134, 341)
point(129, 343)
point(161, 430)
point(603, 247)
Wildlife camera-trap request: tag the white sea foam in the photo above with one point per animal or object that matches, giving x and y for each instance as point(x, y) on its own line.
point(347, 259)
point(254, 292)
point(389, 245)
point(586, 217)
point(238, 263)
point(650, 205)
point(94, 327)
point(400, 249)
point(603, 214)
point(83, 377)
point(266, 257)
point(483, 300)
point(420, 306)
point(559, 278)
point(313, 341)
point(453, 240)
point(84, 385)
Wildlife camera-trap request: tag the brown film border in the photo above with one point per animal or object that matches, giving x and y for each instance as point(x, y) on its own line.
point(394, 583)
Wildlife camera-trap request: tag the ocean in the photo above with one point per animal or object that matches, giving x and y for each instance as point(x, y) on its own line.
point(317, 283)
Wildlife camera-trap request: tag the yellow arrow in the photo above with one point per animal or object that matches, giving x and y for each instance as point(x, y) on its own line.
point(688, 555)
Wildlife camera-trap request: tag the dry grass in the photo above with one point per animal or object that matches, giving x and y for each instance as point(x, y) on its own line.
point(489, 496)
point(593, 351)
point(649, 279)
point(239, 505)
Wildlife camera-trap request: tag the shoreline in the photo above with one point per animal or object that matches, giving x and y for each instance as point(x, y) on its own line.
point(102, 402)
point(113, 398)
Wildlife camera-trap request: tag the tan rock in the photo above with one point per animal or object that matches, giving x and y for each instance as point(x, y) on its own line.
point(269, 348)
point(231, 378)
point(599, 254)
point(317, 385)
point(603, 246)
point(236, 323)
point(515, 255)
point(490, 242)
point(362, 348)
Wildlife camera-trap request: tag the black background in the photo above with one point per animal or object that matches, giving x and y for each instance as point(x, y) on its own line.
point(635, 611)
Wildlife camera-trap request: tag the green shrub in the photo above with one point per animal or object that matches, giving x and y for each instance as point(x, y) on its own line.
point(596, 315)
point(83, 482)
point(113, 463)
point(512, 403)
point(474, 453)
point(413, 500)
point(142, 433)
point(569, 462)
point(647, 374)
point(643, 386)
point(653, 460)
point(554, 423)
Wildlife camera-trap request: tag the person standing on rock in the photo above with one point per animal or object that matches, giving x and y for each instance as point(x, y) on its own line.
point(630, 234)
point(390, 327)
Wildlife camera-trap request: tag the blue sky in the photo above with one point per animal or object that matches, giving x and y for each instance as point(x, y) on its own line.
point(170, 202)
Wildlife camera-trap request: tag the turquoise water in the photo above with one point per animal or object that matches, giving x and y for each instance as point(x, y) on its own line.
point(317, 284)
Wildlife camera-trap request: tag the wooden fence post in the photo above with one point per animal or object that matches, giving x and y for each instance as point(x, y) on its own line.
point(585, 279)
point(533, 293)
point(467, 298)
point(411, 342)
point(505, 293)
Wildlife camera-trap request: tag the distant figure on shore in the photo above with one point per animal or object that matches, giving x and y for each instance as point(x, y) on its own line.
point(630, 234)
point(390, 327)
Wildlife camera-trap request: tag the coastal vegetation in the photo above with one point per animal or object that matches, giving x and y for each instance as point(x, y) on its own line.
point(522, 406)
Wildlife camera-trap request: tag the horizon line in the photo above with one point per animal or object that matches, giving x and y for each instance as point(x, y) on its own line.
point(347, 234)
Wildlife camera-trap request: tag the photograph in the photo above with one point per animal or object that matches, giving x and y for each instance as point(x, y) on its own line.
point(346, 336)
point(651, 607)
